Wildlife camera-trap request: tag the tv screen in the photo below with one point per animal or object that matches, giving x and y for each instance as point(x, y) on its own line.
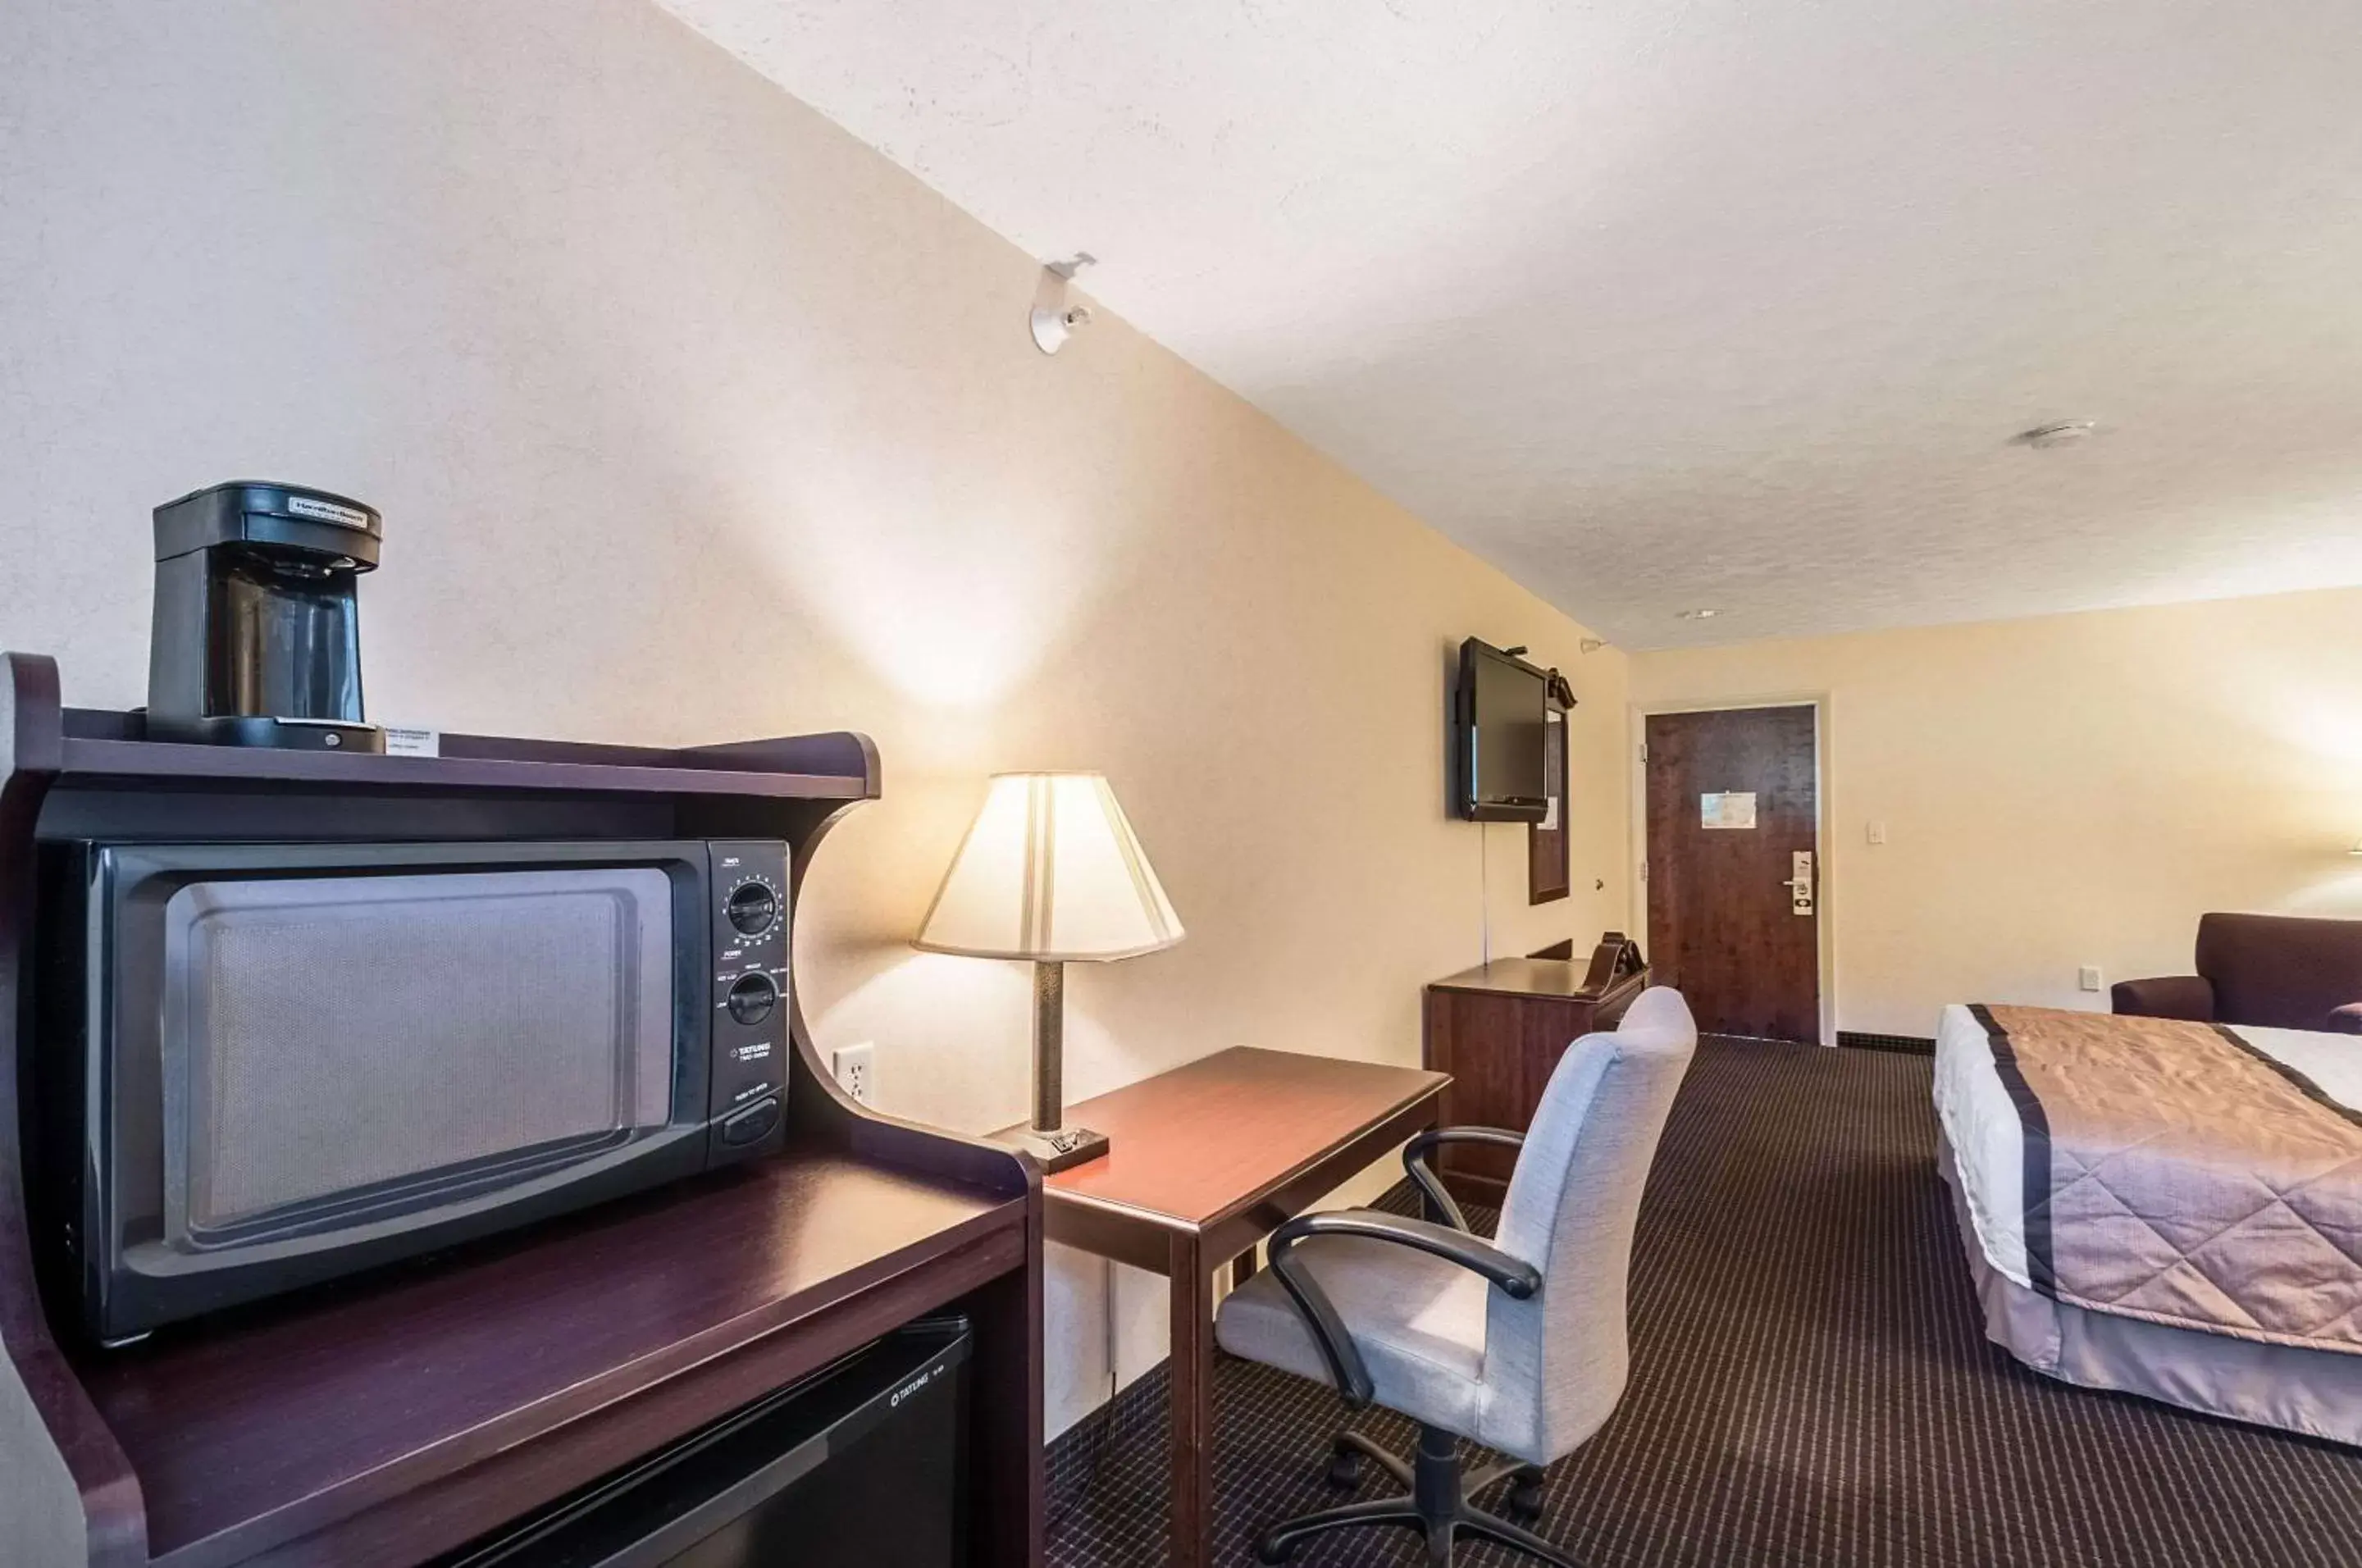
point(1500, 740)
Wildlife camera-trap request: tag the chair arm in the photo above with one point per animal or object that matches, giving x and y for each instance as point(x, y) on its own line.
point(1415, 1152)
point(1351, 1374)
point(2189, 996)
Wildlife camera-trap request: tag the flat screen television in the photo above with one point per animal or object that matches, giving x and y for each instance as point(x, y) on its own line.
point(1498, 736)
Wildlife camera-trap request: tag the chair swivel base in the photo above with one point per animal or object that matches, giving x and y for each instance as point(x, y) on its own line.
point(1437, 1506)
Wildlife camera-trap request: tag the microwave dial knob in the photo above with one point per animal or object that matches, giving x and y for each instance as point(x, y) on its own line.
point(752, 998)
point(754, 908)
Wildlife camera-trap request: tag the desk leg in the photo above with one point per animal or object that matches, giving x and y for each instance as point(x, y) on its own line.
point(1005, 1416)
point(1190, 1277)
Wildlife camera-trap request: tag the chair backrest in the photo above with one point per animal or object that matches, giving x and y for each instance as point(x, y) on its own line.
point(1555, 1363)
point(2280, 971)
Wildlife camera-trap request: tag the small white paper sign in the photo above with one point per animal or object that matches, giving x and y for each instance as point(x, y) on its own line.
point(413, 742)
point(1730, 808)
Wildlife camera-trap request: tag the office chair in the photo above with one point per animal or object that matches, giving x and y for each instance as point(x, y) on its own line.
point(1519, 1344)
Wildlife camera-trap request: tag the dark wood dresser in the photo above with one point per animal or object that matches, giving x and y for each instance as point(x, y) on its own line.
point(1499, 1030)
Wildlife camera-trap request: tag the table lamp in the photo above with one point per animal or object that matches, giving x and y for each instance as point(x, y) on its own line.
point(1050, 871)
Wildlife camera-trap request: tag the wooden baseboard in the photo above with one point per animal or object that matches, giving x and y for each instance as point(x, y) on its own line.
point(1914, 1044)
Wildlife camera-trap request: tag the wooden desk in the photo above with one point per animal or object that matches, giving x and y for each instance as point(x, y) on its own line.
point(1499, 1030)
point(1205, 1161)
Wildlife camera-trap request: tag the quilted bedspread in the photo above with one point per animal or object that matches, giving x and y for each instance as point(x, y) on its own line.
point(2174, 1173)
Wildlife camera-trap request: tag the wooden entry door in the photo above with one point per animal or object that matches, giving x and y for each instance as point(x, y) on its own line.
point(1734, 867)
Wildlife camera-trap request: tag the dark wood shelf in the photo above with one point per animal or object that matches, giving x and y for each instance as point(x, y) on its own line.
point(251, 1435)
point(103, 744)
point(132, 759)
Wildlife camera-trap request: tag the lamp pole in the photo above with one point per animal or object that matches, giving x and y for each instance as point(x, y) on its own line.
point(1049, 1044)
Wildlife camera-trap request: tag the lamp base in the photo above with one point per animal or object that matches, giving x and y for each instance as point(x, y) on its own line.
point(1057, 1148)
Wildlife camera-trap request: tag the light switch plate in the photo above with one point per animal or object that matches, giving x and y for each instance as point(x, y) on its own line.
point(1878, 832)
point(2088, 976)
point(856, 1067)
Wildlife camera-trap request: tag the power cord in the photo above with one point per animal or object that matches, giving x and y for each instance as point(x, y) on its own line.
point(1485, 890)
point(1104, 1417)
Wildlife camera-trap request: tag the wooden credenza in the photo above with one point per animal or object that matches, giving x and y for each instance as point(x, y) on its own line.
point(1499, 1030)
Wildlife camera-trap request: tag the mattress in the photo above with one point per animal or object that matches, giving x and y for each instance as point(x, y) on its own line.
point(1988, 1139)
point(1981, 1154)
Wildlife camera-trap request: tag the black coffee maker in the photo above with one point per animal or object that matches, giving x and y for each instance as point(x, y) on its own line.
point(257, 638)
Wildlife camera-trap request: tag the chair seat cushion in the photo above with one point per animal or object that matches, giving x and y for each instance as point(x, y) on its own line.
point(1420, 1322)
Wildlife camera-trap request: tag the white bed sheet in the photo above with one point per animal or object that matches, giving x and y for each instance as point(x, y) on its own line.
point(1989, 1141)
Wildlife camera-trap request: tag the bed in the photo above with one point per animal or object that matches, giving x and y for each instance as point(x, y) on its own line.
point(2196, 1230)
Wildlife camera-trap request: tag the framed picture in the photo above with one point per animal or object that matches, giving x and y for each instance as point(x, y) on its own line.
point(1547, 877)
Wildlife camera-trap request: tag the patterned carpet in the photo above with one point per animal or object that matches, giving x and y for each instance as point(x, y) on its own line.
point(1810, 1384)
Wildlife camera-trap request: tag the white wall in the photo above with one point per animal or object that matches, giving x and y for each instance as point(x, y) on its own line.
point(2064, 790)
point(693, 419)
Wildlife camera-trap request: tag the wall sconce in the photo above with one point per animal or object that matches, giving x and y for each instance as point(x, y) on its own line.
point(1053, 320)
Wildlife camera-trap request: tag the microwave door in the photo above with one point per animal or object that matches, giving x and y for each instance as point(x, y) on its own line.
point(309, 1059)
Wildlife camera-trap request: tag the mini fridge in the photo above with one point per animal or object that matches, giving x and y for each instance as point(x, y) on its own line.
point(861, 1465)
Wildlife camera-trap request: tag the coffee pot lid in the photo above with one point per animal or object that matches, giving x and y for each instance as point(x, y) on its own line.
point(269, 513)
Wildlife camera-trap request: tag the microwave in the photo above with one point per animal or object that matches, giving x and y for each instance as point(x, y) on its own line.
point(263, 1065)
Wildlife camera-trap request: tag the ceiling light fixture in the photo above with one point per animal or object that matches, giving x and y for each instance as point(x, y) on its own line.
point(1698, 614)
point(2061, 433)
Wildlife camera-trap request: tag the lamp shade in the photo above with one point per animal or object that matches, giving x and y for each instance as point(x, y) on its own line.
point(1050, 871)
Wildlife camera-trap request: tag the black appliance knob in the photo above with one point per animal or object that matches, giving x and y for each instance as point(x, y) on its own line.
point(753, 909)
point(752, 997)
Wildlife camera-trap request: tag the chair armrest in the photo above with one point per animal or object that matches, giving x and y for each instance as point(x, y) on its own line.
point(2170, 996)
point(1415, 1152)
point(1351, 1374)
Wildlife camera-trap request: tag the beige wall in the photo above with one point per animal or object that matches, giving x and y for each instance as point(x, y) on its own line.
point(2067, 790)
point(693, 419)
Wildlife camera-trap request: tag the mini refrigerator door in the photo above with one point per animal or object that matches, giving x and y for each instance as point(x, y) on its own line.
point(862, 1465)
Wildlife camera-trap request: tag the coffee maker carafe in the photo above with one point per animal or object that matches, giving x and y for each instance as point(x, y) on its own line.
point(257, 638)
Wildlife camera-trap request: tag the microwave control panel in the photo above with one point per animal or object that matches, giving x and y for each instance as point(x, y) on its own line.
point(749, 1080)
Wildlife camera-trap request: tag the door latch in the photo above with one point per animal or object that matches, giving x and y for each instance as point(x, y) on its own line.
point(1800, 882)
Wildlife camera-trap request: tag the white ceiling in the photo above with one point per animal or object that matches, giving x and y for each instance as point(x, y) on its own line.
point(1664, 303)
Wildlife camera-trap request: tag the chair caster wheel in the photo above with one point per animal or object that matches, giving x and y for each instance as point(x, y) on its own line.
point(1344, 1474)
point(1266, 1551)
point(1524, 1503)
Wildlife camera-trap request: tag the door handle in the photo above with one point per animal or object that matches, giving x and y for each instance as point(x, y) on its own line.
point(1800, 882)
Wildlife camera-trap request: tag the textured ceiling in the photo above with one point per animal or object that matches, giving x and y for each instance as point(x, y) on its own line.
point(1669, 304)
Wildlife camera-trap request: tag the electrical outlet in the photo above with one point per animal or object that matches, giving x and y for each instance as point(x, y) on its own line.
point(2088, 976)
point(856, 1067)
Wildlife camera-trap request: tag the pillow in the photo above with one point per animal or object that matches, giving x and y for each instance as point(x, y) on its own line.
point(2346, 1020)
